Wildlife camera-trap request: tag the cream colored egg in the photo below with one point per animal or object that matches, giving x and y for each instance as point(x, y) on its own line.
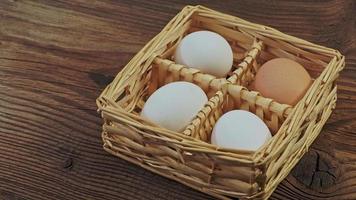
point(207, 51)
point(174, 105)
point(239, 129)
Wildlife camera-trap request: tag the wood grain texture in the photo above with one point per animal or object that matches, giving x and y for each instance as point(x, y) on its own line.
point(57, 56)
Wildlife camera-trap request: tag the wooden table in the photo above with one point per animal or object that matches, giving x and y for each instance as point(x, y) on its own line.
point(57, 56)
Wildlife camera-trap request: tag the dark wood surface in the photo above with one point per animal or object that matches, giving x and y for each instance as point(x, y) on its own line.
point(57, 56)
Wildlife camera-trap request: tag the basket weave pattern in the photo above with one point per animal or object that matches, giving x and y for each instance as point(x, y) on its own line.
point(188, 157)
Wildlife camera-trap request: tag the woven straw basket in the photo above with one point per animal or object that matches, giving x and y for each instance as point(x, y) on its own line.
point(188, 157)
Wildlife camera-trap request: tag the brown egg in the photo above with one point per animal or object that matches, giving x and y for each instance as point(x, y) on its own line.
point(283, 80)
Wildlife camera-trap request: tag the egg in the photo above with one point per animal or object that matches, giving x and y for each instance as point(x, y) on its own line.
point(283, 80)
point(174, 105)
point(239, 129)
point(207, 51)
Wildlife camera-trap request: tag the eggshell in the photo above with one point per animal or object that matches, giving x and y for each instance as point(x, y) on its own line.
point(239, 129)
point(283, 80)
point(174, 105)
point(207, 51)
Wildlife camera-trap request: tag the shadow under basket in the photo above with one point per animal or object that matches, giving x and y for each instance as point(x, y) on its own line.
point(188, 157)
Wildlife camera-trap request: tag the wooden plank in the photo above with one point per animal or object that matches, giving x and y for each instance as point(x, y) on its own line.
point(56, 57)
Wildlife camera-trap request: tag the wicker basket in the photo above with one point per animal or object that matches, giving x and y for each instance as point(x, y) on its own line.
point(188, 157)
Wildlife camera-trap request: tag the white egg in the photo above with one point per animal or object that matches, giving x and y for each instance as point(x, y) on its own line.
point(239, 129)
point(174, 105)
point(207, 51)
